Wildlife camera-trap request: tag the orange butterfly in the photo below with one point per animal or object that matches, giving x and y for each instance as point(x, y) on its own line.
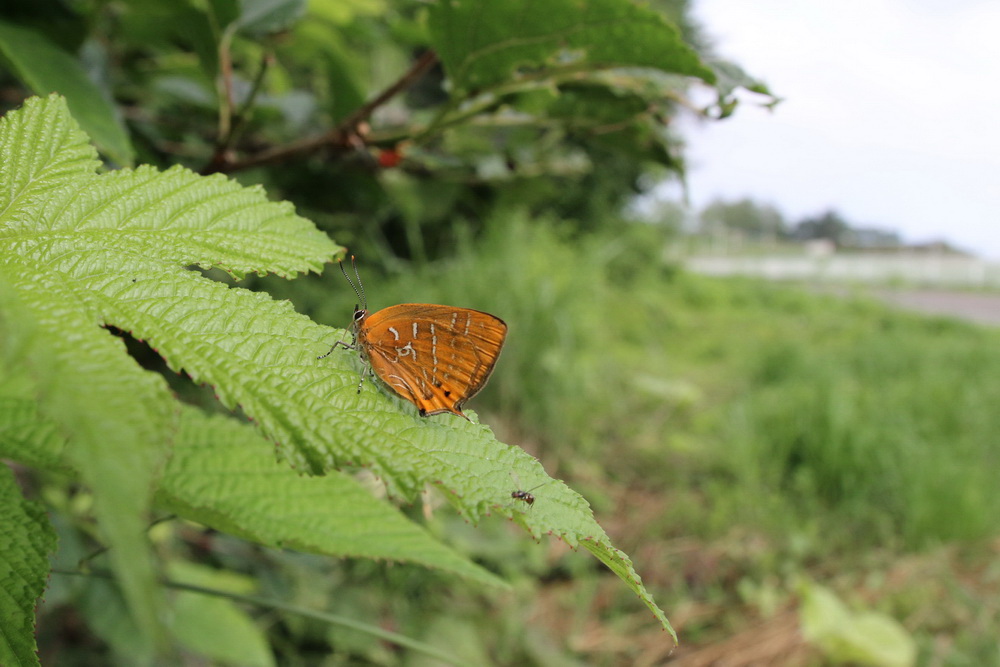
point(436, 357)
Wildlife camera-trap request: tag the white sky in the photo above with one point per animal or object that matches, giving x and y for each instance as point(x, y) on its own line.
point(891, 114)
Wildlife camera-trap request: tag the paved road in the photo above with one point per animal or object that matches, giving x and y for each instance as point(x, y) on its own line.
point(972, 306)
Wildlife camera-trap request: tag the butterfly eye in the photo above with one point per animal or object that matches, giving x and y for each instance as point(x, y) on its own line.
point(359, 314)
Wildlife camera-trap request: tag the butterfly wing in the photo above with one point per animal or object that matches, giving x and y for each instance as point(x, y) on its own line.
point(438, 357)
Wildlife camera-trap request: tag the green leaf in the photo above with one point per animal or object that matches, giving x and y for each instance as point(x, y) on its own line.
point(45, 68)
point(320, 40)
point(223, 474)
point(263, 17)
point(25, 435)
point(115, 433)
point(844, 636)
point(108, 616)
point(344, 12)
point(26, 541)
point(483, 43)
point(213, 626)
point(75, 246)
point(729, 78)
point(169, 25)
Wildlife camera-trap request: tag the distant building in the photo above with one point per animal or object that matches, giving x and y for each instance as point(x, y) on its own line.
point(819, 247)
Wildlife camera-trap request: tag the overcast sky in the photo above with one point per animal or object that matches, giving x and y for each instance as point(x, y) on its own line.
point(891, 114)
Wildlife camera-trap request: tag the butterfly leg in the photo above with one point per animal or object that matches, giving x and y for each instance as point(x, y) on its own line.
point(339, 343)
point(361, 382)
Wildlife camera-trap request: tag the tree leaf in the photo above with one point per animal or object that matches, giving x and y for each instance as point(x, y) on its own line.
point(45, 68)
point(26, 541)
point(263, 17)
point(114, 420)
point(66, 250)
point(483, 43)
point(223, 474)
point(25, 435)
point(729, 78)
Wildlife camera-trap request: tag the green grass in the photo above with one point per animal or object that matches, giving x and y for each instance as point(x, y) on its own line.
point(883, 421)
point(732, 434)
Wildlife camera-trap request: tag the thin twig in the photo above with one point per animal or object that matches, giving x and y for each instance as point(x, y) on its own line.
point(230, 124)
point(225, 88)
point(343, 137)
point(243, 115)
point(364, 112)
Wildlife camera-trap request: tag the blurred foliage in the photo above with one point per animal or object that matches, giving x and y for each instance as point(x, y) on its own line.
point(746, 217)
point(275, 93)
point(748, 224)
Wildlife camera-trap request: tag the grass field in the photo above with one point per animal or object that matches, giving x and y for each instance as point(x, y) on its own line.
point(753, 446)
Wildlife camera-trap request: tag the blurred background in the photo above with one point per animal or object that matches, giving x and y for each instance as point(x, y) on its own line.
point(751, 325)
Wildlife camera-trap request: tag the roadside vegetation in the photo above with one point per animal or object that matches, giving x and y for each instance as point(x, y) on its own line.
point(747, 440)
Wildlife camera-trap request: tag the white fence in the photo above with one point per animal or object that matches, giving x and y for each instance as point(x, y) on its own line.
point(929, 270)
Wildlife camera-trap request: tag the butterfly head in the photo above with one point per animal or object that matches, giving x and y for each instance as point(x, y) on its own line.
point(360, 314)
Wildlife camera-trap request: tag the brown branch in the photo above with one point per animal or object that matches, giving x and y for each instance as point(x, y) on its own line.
point(226, 92)
point(427, 60)
point(343, 138)
point(231, 124)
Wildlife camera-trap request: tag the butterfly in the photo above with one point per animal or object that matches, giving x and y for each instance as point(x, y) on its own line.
point(436, 357)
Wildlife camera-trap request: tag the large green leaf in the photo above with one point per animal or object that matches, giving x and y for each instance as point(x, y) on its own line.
point(116, 419)
point(483, 43)
point(115, 249)
point(45, 68)
point(26, 540)
point(115, 435)
point(223, 474)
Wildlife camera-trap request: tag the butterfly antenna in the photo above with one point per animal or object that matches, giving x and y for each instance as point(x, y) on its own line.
point(364, 299)
point(351, 282)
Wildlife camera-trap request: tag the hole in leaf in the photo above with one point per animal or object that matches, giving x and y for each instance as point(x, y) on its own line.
point(181, 384)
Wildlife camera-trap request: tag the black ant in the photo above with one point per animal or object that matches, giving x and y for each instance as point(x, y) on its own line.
point(525, 496)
